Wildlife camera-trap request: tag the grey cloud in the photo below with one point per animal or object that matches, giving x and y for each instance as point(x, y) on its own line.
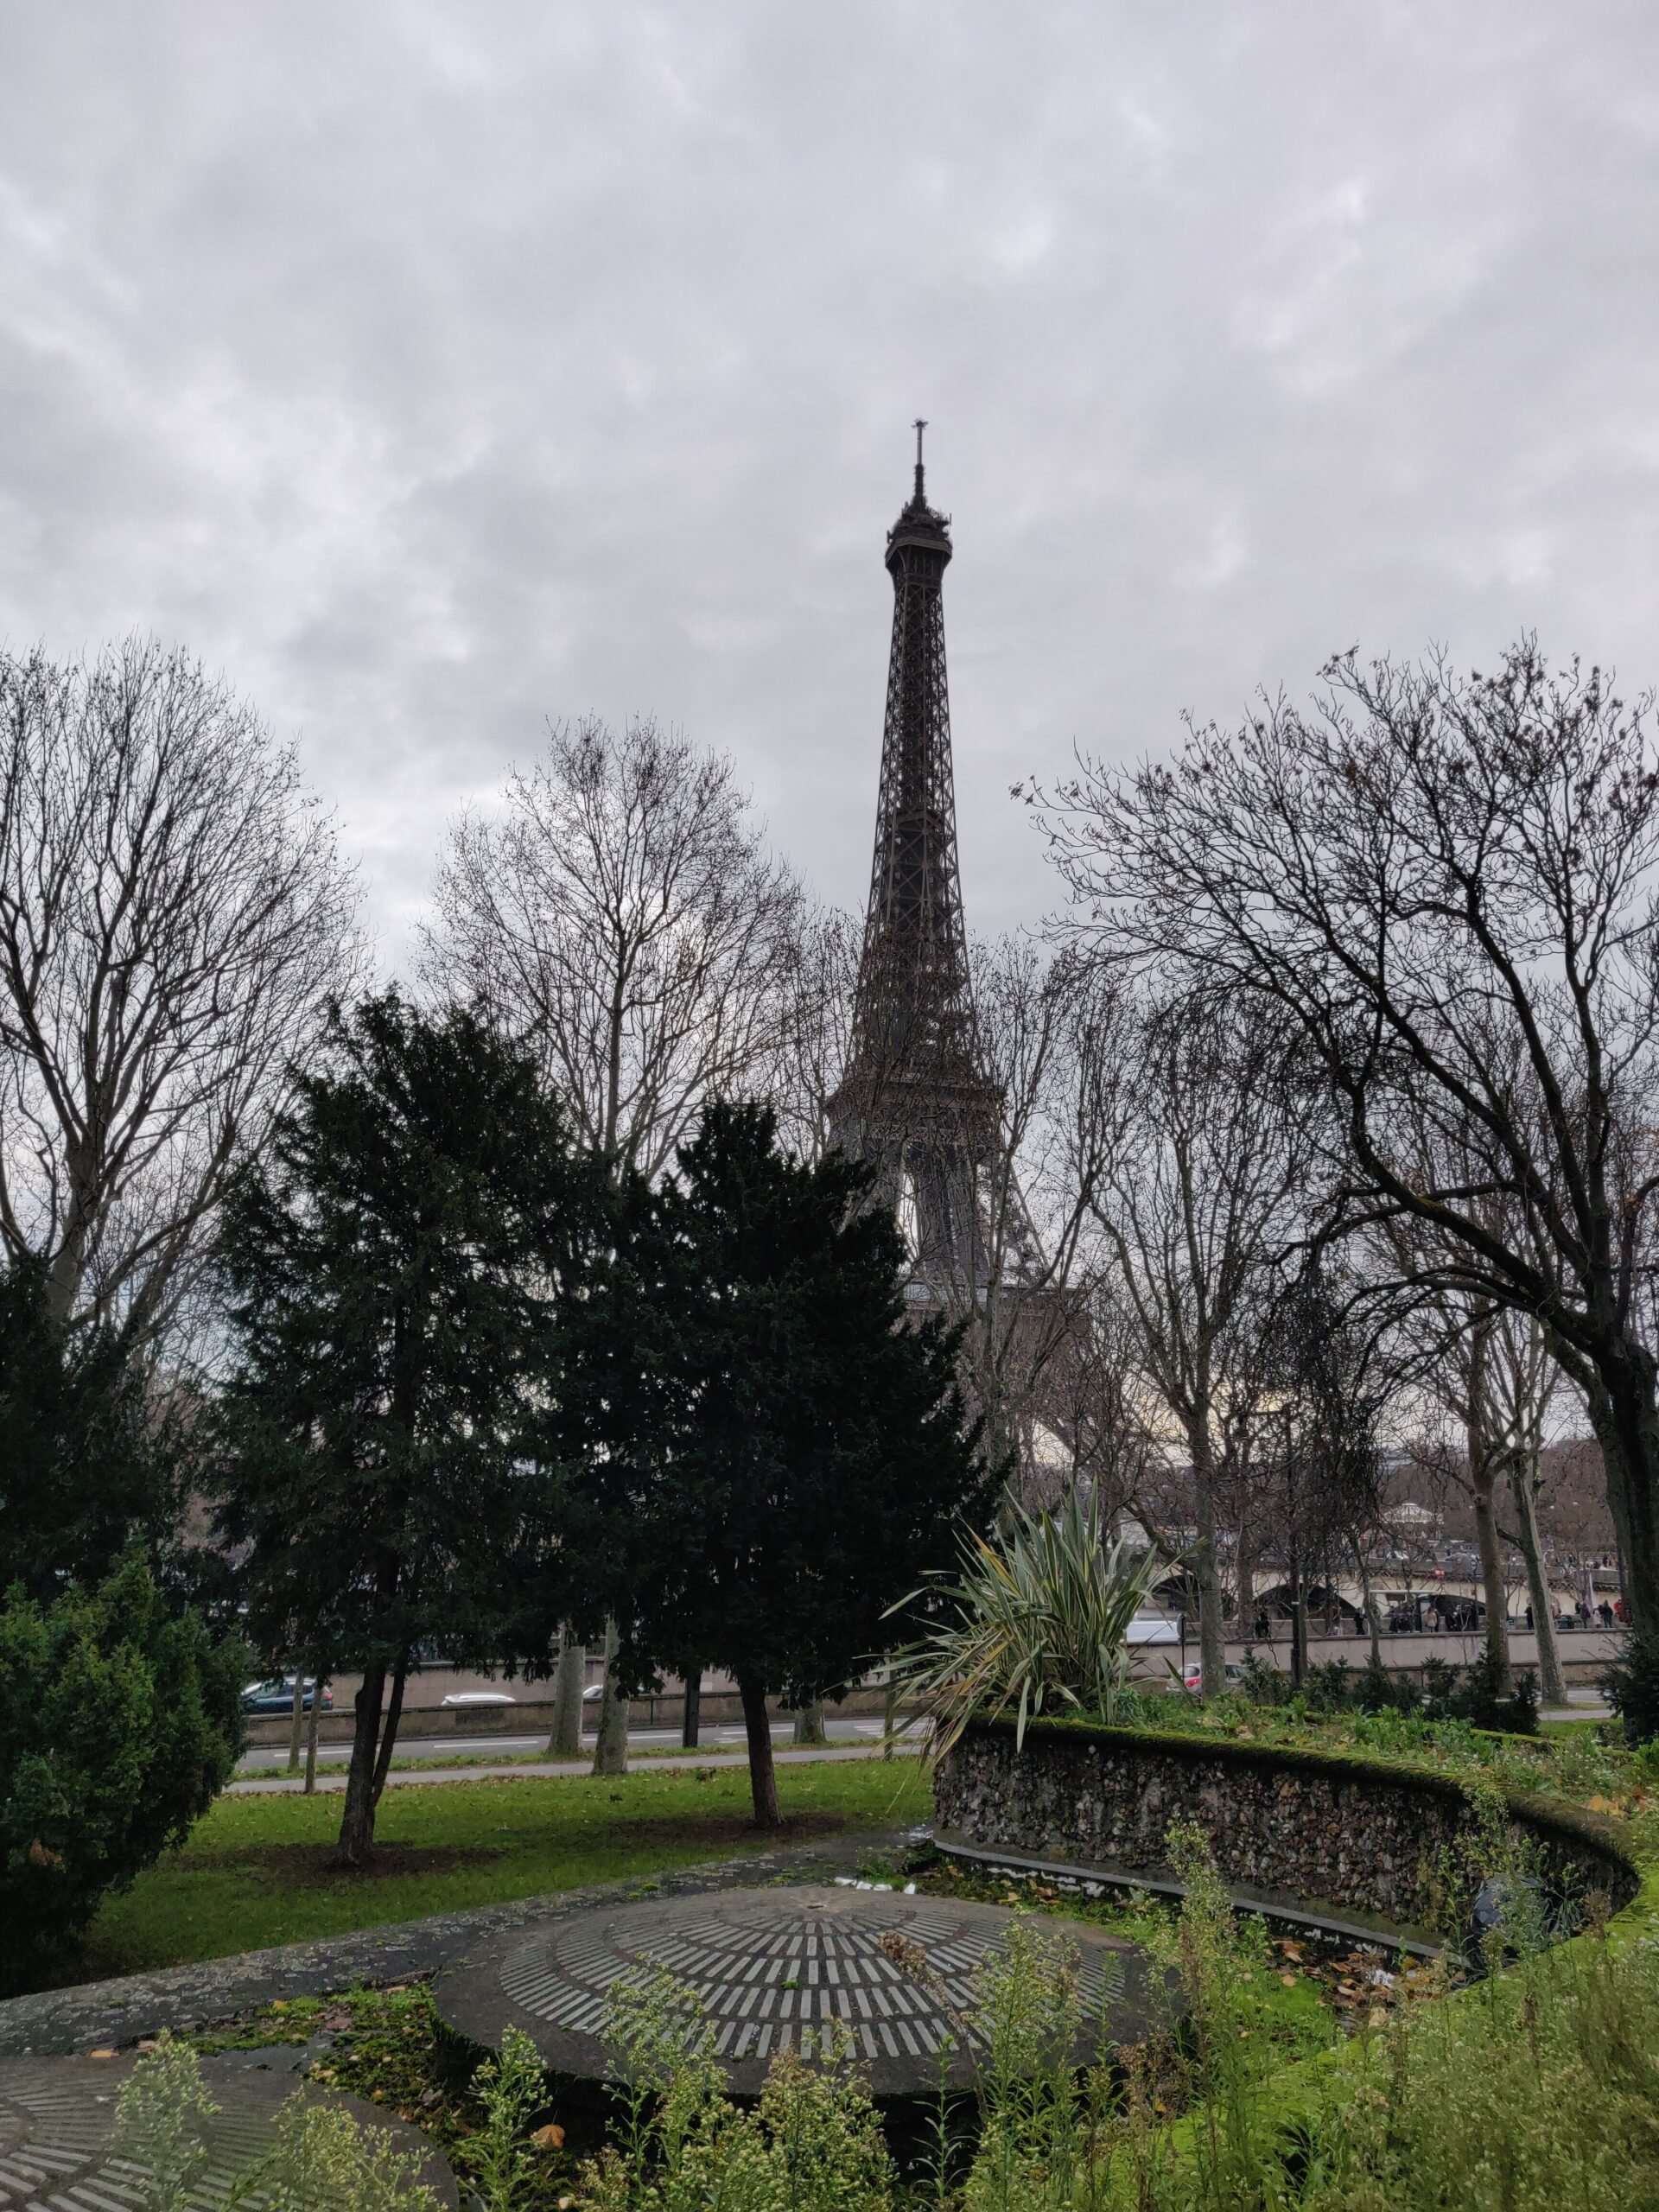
point(434, 369)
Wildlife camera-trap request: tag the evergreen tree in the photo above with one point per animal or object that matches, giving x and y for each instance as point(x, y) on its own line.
point(775, 1457)
point(394, 1262)
point(88, 1466)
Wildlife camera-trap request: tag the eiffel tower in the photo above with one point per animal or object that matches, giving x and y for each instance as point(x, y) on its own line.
point(914, 1100)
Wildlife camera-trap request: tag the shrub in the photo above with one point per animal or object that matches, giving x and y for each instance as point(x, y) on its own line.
point(1263, 1684)
point(1631, 1686)
point(1329, 1688)
point(1042, 1619)
point(812, 2143)
point(120, 1721)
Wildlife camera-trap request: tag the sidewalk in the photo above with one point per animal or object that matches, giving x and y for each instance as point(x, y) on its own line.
point(405, 1777)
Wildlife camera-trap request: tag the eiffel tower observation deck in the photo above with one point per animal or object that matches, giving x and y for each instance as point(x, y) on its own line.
point(914, 1100)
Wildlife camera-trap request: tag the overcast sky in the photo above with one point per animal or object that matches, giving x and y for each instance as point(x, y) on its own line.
point(437, 369)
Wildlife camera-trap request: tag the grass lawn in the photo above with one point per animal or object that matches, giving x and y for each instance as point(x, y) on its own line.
point(255, 1870)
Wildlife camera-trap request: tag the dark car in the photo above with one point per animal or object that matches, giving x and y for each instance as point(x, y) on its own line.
point(277, 1695)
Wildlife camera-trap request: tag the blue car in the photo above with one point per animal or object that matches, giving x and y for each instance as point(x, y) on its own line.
point(278, 1695)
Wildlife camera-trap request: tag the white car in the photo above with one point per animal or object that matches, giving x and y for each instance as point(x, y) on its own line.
point(471, 1700)
point(1192, 1676)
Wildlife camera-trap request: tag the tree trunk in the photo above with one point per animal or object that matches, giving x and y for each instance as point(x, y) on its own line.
point(388, 1733)
point(763, 1775)
point(1368, 1600)
point(1212, 1635)
point(1482, 1481)
point(356, 1822)
point(610, 1744)
point(570, 1680)
point(1298, 1622)
point(311, 1738)
point(809, 1723)
point(691, 1720)
point(1551, 1683)
point(1244, 1577)
point(297, 1724)
point(1623, 1416)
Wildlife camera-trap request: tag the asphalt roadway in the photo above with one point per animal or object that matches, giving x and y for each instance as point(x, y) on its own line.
point(263, 1772)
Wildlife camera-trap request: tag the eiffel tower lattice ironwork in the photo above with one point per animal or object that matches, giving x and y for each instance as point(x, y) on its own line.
point(914, 1100)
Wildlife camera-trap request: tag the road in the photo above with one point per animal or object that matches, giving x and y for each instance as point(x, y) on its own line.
point(269, 1759)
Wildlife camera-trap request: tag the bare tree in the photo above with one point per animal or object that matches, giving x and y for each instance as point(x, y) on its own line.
point(1048, 1028)
point(815, 1036)
point(1438, 879)
point(174, 918)
point(1326, 1384)
point(1196, 1209)
point(1523, 1384)
point(624, 914)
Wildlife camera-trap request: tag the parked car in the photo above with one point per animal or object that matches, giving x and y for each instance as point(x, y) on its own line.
point(277, 1695)
point(1192, 1676)
point(472, 1701)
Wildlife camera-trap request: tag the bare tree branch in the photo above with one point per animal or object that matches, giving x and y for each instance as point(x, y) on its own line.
point(173, 917)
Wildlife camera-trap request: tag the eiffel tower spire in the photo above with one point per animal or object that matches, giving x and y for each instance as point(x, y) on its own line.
point(913, 1100)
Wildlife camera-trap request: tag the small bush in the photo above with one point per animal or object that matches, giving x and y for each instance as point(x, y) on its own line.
point(120, 1721)
point(1329, 1688)
point(1632, 1687)
point(813, 2143)
point(1262, 1684)
point(1381, 1692)
point(160, 2120)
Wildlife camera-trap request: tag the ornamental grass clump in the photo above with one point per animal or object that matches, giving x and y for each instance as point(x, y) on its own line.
point(1041, 1618)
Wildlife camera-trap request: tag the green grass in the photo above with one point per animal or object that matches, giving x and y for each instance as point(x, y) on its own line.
point(254, 1871)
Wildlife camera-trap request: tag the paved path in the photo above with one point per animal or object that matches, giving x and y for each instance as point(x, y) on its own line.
point(262, 1758)
point(287, 1786)
point(95, 2014)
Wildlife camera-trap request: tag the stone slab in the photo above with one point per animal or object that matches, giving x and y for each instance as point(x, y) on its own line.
point(889, 1978)
point(57, 2116)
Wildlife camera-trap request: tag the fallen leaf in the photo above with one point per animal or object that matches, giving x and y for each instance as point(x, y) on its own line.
point(104, 2053)
point(551, 2138)
point(41, 1854)
point(1289, 1980)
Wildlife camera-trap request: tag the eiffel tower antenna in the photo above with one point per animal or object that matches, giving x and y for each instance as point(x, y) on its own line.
point(913, 1100)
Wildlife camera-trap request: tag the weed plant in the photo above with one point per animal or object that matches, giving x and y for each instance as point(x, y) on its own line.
point(319, 2160)
point(1535, 2089)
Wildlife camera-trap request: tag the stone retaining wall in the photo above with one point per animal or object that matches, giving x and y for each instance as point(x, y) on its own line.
point(1315, 1826)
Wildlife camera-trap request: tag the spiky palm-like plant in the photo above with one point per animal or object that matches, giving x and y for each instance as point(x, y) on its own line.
point(1043, 1615)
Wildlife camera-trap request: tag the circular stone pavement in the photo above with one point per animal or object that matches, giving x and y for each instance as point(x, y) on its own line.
point(783, 1969)
point(57, 2116)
